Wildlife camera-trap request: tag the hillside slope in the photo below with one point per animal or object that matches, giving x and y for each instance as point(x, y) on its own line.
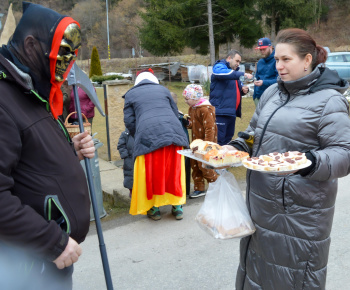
point(333, 32)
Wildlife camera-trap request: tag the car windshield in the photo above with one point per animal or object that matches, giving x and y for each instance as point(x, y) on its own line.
point(335, 58)
point(339, 58)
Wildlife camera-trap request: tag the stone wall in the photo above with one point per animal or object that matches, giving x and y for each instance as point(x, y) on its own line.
point(115, 104)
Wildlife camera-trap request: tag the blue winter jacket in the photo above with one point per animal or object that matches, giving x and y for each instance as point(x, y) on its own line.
point(267, 72)
point(223, 89)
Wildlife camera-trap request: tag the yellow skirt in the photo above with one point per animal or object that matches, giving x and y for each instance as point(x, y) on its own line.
point(139, 202)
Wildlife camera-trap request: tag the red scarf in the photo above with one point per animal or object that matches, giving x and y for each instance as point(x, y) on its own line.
point(56, 96)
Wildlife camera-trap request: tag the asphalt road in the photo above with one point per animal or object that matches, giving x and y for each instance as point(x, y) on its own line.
point(170, 254)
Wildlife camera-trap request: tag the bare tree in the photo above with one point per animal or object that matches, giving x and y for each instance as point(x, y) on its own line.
point(125, 20)
point(211, 34)
point(90, 15)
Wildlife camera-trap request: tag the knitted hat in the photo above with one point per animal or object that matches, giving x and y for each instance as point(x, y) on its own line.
point(193, 92)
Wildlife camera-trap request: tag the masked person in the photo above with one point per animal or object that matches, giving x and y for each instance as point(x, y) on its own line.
point(44, 201)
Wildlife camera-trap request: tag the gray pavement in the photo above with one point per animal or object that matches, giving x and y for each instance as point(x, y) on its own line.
point(170, 254)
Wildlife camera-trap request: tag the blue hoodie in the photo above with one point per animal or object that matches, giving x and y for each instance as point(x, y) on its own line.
point(267, 72)
point(223, 89)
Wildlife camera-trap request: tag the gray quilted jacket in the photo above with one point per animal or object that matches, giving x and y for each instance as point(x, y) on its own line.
point(293, 214)
point(151, 116)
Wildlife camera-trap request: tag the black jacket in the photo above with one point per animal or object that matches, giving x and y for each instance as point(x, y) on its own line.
point(41, 179)
point(151, 116)
point(125, 148)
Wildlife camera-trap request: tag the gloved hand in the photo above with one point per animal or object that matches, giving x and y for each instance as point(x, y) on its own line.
point(185, 122)
point(307, 170)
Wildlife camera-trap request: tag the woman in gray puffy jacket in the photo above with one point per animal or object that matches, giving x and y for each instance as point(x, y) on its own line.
point(293, 213)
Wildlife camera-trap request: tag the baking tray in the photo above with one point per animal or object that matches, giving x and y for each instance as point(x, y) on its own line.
point(188, 153)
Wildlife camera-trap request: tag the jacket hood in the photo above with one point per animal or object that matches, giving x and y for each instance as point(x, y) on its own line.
point(329, 79)
point(47, 27)
point(143, 82)
point(320, 78)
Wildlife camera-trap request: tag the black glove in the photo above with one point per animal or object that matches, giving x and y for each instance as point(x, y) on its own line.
point(307, 170)
point(185, 122)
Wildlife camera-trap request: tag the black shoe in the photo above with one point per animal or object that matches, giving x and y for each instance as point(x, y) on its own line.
point(197, 193)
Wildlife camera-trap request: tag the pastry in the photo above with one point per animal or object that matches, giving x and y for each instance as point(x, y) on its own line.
point(215, 154)
point(276, 161)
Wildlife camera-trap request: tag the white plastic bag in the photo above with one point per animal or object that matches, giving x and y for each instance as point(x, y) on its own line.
point(224, 213)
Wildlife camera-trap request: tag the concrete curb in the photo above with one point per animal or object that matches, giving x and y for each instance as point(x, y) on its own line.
point(112, 177)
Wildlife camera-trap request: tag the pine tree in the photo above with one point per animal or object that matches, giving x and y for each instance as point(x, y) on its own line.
point(171, 25)
point(95, 67)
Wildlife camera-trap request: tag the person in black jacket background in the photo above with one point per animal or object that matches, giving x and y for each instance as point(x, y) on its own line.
point(125, 148)
point(184, 122)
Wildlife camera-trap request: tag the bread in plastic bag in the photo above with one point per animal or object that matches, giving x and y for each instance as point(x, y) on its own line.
point(224, 213)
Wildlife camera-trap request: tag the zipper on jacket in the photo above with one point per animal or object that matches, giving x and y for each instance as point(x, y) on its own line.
point(64, 129)
point(41, 99)
point(250, 172)
point(267, 122)
point(2, 75)
point(58, 120)
point(283, 197)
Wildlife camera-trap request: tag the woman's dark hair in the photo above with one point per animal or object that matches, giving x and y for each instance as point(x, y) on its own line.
point(303, 44)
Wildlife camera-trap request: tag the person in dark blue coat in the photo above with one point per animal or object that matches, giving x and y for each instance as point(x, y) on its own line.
point(226, 92)
point(151, 116)
point(266, 72)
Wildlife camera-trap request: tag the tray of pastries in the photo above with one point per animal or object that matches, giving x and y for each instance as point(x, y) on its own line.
point(275, 162)
point(213, 154)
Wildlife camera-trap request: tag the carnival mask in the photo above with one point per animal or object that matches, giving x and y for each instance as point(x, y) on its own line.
point(70, 43)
